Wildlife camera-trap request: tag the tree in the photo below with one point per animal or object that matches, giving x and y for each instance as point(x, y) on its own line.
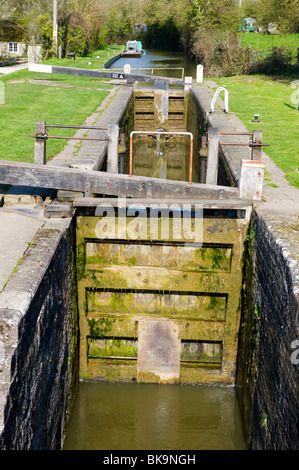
point(283, 13)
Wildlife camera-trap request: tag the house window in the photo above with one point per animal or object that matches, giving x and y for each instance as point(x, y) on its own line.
point(13, 47)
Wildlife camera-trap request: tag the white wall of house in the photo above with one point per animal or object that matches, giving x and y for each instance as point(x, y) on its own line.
point(12, 49)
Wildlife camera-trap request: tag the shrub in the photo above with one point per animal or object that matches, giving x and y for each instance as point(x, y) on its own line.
point(278, 62)
point(77, 41)
point(221, 54)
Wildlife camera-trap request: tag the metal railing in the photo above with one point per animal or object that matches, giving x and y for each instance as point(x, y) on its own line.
point(255, 143)
point(216, 94)
point(162, 133)
point(213, 143)
point(41, 136)
point(152, 69)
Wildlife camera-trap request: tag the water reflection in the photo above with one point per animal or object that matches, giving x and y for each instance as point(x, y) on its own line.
point(160, 59)
point(163, 157)
point(155, 417)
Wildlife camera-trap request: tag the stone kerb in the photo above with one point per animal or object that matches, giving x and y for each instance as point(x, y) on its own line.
point(91, 155)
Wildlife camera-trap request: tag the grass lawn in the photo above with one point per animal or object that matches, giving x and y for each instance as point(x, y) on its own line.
point(96, 59)
point(268, 41)
point(27, 102)
point(271, 99)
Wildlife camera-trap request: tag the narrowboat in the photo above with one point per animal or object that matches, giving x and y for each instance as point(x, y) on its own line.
point(133, 49)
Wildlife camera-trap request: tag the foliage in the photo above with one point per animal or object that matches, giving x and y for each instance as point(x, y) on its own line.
point(221, 53)
point(283, 13)
point(204, 28)
point(220, 15)
point(77, 41)
point(216, 44)
point(278, 62)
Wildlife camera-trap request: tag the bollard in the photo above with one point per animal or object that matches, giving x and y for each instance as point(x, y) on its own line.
point(251, 179)
point(112, 154)
point(40, 142)
point(212, 158)
point(199, 73)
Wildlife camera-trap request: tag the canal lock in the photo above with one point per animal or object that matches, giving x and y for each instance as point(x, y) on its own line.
point(159, 308)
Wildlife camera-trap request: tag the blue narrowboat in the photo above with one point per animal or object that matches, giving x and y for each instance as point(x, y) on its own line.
point(133, 49)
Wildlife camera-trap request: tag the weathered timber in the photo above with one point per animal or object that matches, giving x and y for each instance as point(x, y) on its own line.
point(102, 74)
point(58, 211)
point(206, 203)
point(213, 153)
point(69, 179)
point(40, 142)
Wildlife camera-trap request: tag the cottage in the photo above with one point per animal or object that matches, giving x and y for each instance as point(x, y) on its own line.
point(12, 49)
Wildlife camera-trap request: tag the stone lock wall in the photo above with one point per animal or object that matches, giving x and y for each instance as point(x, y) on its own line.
point(38, 335)
point(267, 380)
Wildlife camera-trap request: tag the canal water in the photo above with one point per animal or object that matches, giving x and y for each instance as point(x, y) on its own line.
point(164, 157)
point(178, 65)
point(124, 416)
point(135, 416)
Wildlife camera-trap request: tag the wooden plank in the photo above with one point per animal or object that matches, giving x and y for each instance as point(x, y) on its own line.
point(115, 202)
point(70, 179)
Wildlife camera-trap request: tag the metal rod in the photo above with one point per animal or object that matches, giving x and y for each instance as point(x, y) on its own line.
point(243, 144)
point(162, 133)
point(77, 127)
point(235, 133)
point(154, 68)
point(62, 137)
point(131, 155)
point(191, 160)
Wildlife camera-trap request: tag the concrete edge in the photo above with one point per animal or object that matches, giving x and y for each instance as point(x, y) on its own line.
point(112, 114)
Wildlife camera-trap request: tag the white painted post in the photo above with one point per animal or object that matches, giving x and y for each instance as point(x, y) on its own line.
point(188, 83)
point(112, 154)
point(34, 54)
point(212, 159)
point(40, 143)
point(251, 179)
point(199, 73)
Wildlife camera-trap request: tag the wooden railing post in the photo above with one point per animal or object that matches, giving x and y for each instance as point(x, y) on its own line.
point(40, 142)
point(212, 158)
point(256, 139)
point(112, 154)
